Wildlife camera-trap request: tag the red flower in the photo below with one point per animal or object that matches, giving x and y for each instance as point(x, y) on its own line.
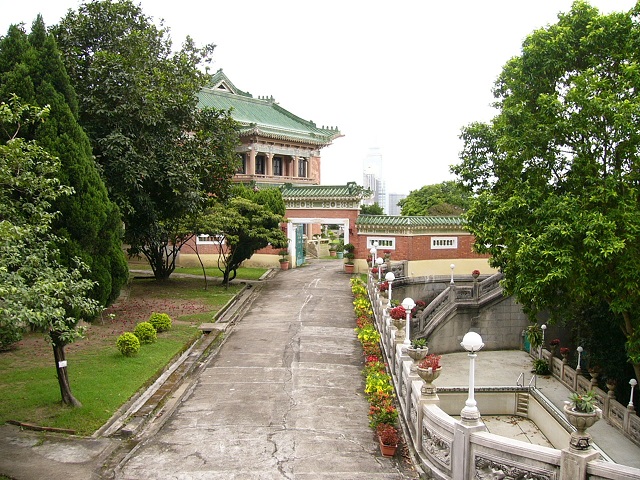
point(398, 313)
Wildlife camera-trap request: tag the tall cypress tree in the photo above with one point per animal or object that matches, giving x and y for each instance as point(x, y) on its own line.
point(89, 223)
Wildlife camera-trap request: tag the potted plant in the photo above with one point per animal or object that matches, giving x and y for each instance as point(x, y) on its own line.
point(429, 369)
point(388, 438)
point(284, 261)
point(541, 367)
point(553, 344)
point(349, 247)
point(398, 317)
point(340, 249)
point(534, 334)
point(348, 264)
point(582, 412)
point(333, 250)
point(564, 351)
point(418, 349)
point(475, 274)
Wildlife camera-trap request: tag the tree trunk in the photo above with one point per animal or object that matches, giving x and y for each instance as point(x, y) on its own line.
point(63, 378)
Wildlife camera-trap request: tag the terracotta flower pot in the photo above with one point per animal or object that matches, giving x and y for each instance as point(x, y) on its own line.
point(387, 450)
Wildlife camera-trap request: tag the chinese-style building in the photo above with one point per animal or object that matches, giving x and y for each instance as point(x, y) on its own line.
point(277, 147)
point(280, 149)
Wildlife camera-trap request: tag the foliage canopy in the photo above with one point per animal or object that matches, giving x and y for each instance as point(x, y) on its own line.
point(446, 198)
point(556, 171)
point(161, 157)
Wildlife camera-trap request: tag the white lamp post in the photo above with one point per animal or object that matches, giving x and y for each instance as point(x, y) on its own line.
point(452, 266)
point(408, 305)
point(580, 350)
point(389, 277)
point(379, 262)
point(543, 327)
point(633, 382)
point(471, 342)
point(374, 253)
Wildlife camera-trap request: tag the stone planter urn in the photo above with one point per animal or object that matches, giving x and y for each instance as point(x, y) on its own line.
point(428, 375)
point(580, 439)
point(399, 324)
point(417, 354)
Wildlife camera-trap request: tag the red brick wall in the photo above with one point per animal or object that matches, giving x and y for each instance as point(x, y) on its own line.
point(418, 247)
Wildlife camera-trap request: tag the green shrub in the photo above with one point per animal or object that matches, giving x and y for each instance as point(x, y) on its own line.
point(160, 321)
point(541, 367)
point(128, 344)
point(9, 335)
point(145, 332)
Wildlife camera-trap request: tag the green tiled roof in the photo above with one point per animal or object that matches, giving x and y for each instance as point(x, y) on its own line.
point(262, 116)
point(421, 222)
point(350, 191)
point(405, 221)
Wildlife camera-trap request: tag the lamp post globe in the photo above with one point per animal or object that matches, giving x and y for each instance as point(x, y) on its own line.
point(452, 266)
point(633, 382)
point(379, 262)
point(408, 305)
point(472, 343)
point(389, 277)
point(579, 350)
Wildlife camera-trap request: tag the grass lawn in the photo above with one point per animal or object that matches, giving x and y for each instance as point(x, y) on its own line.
point(243, 273)
point(100, 377)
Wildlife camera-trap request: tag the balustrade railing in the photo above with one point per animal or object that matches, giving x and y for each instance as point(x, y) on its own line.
point(449, 449)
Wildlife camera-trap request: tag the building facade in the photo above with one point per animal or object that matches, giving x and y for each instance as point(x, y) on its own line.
point(276, 146)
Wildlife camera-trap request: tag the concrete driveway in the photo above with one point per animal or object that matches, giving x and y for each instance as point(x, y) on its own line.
point(282, 399)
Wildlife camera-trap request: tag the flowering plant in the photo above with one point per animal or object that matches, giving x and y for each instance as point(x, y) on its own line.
point(384, 286)
point(398, 313)
point(388, 434)
point(431, 361)
point(382, 409)
point(374, 270)
point(564, 350)
point(555, 342)
point(475, 273)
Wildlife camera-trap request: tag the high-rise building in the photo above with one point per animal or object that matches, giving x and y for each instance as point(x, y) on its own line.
point(394, 198)
point(373, 179)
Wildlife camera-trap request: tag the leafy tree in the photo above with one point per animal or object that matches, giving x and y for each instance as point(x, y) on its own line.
point(446, 198)
point(374, 209)
point(89, 223)
point(556, 171)
point(161, 158)
point(248, 222)
point(35, 288)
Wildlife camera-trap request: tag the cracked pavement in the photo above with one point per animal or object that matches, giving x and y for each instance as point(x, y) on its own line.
point(282, 399)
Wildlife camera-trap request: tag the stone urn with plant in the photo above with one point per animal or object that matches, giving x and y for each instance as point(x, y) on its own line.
point(582, 412)
point(399, 319)
point(418, 349)
point(428, 370)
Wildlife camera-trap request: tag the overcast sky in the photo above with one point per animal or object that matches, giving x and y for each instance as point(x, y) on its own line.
point(402, 77)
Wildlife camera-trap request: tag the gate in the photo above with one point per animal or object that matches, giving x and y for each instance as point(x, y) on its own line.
point(299, 245)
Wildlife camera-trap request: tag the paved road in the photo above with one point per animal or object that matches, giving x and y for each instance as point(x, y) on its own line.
point(283, 398)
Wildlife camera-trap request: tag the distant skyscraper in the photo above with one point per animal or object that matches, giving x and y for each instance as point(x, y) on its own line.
point(394, 198)
point(373, 179)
